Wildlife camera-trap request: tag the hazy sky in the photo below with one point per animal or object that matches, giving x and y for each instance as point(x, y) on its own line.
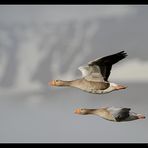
point(88, 30)
point(42, 43)
point(57, 13)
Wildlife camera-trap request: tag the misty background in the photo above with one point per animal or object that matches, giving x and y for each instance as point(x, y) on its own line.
point(46, 42)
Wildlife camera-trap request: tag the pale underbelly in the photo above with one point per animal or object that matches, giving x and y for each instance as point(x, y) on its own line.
point(95, 91)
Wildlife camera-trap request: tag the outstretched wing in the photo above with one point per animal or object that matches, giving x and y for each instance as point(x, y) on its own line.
point(119, 113)
point(105, 63)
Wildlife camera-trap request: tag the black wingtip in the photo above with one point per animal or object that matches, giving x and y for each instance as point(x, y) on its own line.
point(123, 53)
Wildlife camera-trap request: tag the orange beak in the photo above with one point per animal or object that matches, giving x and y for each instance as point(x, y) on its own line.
point(120, 87)
point(52, 83)
point(77, 111)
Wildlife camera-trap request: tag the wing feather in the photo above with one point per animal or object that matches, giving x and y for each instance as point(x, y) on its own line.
point(105, 63)
point(119, 113)
point(100, 69)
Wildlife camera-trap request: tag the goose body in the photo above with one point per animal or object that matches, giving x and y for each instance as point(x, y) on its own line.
point(95, 76)
point(111, 113)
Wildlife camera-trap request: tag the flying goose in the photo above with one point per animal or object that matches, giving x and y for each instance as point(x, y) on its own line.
point(111, 113)
point(95, 76)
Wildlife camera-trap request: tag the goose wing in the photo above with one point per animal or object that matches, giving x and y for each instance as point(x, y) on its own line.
point(104, 64)
point(91, 73)
point(119, 113)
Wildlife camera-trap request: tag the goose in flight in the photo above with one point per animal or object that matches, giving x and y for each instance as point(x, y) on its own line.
point(111, 113)
point(95, 76)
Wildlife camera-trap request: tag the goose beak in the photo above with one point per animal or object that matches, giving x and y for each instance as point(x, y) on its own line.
point(77, 111)
point(52, 83)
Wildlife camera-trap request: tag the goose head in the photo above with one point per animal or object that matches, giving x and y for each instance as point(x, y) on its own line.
point(57, 83)
point(83, 111)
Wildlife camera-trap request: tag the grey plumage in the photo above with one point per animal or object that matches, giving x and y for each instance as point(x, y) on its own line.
point(119, 113)
point(100, 69)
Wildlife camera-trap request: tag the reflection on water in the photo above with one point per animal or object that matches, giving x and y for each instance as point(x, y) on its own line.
point(47, 116)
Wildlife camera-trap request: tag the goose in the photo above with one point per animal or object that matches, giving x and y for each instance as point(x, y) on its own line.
point(111, 113)
point(95, 76)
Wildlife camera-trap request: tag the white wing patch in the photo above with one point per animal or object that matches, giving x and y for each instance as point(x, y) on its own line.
point(84, 70)
point(96, 77)
point(91, 73)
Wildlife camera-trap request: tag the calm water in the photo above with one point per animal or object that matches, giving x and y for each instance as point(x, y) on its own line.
point(47, 116)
